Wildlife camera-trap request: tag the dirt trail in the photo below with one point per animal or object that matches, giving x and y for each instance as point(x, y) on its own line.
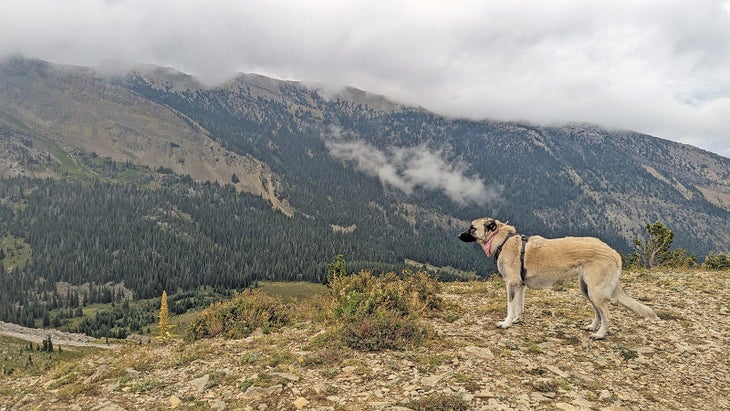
point(37, 336)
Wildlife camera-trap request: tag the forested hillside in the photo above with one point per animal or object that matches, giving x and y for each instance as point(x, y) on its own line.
point(173, 234)
point(576, 179)
point(118, 186)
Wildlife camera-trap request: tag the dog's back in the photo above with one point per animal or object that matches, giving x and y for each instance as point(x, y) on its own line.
point(550, 260)
point(570, 252)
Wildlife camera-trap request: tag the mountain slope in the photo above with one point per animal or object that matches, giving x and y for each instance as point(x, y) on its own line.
point(71, 109)
point(346, 158)
point(575, 179)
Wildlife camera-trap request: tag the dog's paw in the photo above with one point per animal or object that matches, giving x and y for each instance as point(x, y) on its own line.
point(503, 324)
point(591, 327)
point(597, 337)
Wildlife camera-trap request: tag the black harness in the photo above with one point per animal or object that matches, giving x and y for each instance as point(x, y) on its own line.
point(523, 270)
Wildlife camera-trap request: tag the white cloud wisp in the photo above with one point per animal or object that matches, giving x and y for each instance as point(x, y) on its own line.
point(408, 168)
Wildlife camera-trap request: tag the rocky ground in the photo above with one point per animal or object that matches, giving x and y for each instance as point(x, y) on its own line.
point(545, 362)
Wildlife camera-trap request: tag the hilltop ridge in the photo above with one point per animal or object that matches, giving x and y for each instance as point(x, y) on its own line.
point(545, 362)
point(59, 110)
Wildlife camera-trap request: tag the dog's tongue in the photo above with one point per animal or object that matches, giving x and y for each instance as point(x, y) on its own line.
point(488, 246)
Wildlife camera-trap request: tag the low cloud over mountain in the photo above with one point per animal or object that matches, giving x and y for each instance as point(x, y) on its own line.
point(408, 168)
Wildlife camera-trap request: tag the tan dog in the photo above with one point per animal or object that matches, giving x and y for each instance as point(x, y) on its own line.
point(537, 262)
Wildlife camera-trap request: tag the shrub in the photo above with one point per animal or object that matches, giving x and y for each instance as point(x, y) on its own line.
point(240, 316)
point(678, 258)
point(717, 262)
point(628, 353)
point(654, 248)
point(376, 313)
point(439, 402)
point(407, 294)
point(383, 329)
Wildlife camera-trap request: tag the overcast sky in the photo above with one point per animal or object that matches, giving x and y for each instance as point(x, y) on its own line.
point(660, 67)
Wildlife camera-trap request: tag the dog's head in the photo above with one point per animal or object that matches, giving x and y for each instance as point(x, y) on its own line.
point(480, 230)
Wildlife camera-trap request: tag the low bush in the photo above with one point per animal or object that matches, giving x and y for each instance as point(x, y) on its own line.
point(439, 402)
point(380, 330)
point(716, 262)
point(376, 313)
point(240, 316)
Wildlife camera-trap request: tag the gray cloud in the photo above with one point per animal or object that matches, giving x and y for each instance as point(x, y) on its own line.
point(407, 168)
point(655, 66)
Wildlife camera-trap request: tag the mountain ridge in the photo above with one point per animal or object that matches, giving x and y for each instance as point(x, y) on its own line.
point(82, 111)
point(272, 134)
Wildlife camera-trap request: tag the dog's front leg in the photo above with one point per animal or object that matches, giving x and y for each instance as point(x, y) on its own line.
point(519, 301)
point(512, 305)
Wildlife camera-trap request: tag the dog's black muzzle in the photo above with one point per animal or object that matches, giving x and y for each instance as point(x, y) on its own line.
point(467, 237)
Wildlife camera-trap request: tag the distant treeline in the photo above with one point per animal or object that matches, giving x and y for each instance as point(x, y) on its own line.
point(181, 236)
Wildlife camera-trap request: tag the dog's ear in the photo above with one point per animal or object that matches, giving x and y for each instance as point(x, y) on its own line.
point(491, 226)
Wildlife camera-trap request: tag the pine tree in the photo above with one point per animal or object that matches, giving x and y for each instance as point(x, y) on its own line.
point(47, 344)
point(336, 269)
point(654, 250)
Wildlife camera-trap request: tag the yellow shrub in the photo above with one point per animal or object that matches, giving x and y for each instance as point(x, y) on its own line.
point(240, 316)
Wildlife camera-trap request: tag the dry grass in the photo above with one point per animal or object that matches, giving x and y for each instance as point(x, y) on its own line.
point(540, 363)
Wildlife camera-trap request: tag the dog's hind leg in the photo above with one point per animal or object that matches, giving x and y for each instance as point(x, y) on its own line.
point(597, 317)
point(600, 304)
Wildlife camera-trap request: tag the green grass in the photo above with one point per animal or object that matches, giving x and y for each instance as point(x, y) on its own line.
point(11, 121)
point(16, 359)
point(17, 252)
point(291, 291)
point(68, 164)
point(123, 171)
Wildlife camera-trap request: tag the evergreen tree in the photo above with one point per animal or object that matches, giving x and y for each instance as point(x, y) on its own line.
point(336, 269)
point(654, 249)
point(47, 344)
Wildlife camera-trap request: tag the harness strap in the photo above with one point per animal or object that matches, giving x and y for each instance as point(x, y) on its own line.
point(499, 248)
point(523, 270)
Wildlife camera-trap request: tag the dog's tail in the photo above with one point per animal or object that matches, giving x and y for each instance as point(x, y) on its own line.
point(633, 305)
